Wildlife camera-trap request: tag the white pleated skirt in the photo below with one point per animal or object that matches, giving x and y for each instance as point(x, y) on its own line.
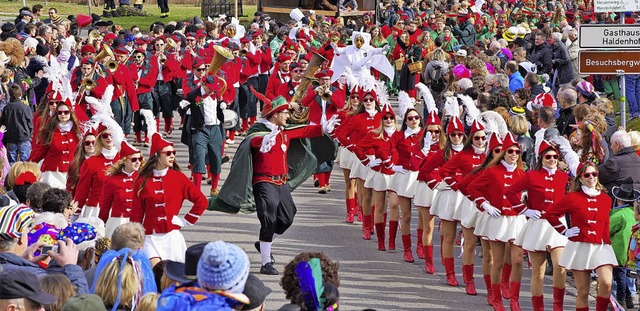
point(539, 236)
point(583, 256)
point(481, 222)
point(466, 213)
point(358, 170)
point(90, 211)
point(377, 181)
point(424, 195)
point(445, 203)
point(404, 185)
point(503, 228)
point(166, 246)
point(344, 158)
point(113, 223)
point(54, 179)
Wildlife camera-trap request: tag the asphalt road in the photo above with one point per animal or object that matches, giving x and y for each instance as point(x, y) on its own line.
point(369, 278)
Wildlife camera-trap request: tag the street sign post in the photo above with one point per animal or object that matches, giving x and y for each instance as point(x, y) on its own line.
point(603, 36)
point(609, 62)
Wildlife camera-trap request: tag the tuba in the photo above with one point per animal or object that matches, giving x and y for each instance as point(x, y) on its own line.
point(171, 44)
point(300, 115)
point(93, 36)
point(220, 57)
point(106, 51)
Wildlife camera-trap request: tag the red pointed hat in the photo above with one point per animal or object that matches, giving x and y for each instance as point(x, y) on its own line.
point(127, 149)
point(455, 124)
point(509, 141)
point(386, 109)
point(158, 143)
point(544, 146)
point(83, 20)
point(90, 131)
point(100, 129)
point(476, 127)
point(494, 141)
point(370, 92)
point(433, 118)
point(270, 106)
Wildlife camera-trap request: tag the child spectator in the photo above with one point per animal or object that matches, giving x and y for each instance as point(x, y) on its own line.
point(621, 221)
point(18, 118)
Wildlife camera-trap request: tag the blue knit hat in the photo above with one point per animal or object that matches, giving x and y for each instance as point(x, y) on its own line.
point(223, 266)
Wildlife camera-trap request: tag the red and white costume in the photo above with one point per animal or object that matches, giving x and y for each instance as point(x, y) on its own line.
point(91, 181)
point(424, 193)
point(405, 144)
point(354, 131)
point(56, 156)
point(117, 200)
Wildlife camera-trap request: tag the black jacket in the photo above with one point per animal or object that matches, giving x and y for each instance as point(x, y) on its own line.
point(527, 146)
point(561, 63)
point(18, 118)
point(565, 119)
point(541, 56)
point(197, 111)
point(621, 168)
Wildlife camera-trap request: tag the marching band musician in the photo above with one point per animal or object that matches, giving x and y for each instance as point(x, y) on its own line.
point(192, 82)
point(248, 78)
point(166, 69)
point(266, 62)
point(287, 90)
point(88, 72)
point(281, 74)
point(125, 99)
point(231, 69)
point(145, 75)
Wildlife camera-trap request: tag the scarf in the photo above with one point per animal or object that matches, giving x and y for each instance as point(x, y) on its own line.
point(109, 153)
point(510, 168)
point(371, 112)
point(160, 173)
point(409, 131)
point(65, 127)
point(457, 148)
point(551, 171)
point(390, 130)
point(592, 192)
point(478, 150)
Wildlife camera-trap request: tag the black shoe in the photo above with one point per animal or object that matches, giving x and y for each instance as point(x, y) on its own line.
point(628, 302)
point(268, 269)
point(225, 159)
point(257, 246)
point(316, 183)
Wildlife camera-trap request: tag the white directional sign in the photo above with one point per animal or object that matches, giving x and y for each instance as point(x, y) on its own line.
point(609, 36)
point(616, 6)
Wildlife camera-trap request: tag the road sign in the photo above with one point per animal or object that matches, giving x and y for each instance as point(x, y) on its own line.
point(609, 62)
point(603, 6)
point(609, 36)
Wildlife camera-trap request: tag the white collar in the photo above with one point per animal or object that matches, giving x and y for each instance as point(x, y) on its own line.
point(109, 154)
point(160, 173)
point(65, 127)
point(409, 131)
point(510, 168)
point(371, 112)
point(592, 192)
point(478, 150)
point(270, 125)
point(551, 171)
point(390, 130)
point(457, 147)
point(128, 174)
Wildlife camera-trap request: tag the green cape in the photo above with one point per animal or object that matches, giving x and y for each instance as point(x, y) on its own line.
point(303, 156)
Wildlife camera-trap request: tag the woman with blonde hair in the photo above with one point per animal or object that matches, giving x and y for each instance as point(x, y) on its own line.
point(635, 141)
point(345, 158)
point(59, 286)
point(117, 192)
point(56, 145)
point(149, 302)
point(590, 140)
point(18, 169)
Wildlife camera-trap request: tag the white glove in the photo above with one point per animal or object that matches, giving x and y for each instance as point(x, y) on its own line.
point(375, 162)
point(399, 169)
point(223, 105)
point(442, 186)
point(491, 210)
point(183, 104)
point(268, 141)
point(178, 221)
point(531, 213)
point(426, 146)
point(331, 124)
point(571, 232)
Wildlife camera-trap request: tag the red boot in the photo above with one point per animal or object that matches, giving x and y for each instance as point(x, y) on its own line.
point(380, 235)
point(558, 299)
point(487, 283)
point(514, 304)
point(602, 303)
point(351, 206)
point(450, 270)
point(419, 248)
point(467, 276)
point(429, 268)
point(366, 227)
point(504, 281)
point(359, 212)
point(406, 245)
point(496, 302)
point(393, 231)
point(538, 303)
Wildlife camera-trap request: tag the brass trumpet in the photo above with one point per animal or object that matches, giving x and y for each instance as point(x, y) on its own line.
point(171, 44)
point(325, 93)
point(106, 51)
point(88, 84)
point(93, 35)
point(163, 60)
point(112, 65)
point(243, 52)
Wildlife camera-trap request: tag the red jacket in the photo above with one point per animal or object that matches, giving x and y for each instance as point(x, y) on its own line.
point(543, 190)
point(161, 199)
point(380, 148)
point(312, 100)
point(117, 196)
point(429, 171)
point(406, 147)
point(58, 154)
point(419, 158)
point(275, 80)
point(123, 84)
point(250, 67)
point(459, 166)
point(91, 179)
point(490, 187)
point(274, 162)
point(354, 130)
point(266, 62)
point(590, 214)
point(287, 90)
point(146, 76)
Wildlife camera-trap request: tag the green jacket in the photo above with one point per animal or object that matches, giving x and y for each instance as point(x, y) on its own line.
point(621, 221)
point(303, 156)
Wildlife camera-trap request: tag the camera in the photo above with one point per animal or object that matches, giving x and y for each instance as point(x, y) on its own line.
point(47, 248)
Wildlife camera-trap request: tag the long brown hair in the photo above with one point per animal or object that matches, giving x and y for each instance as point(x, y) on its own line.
point(146, 171)
point(577, 183)
point(487, 160)
point(46, 132)
point(74, 168)
point(404, 126)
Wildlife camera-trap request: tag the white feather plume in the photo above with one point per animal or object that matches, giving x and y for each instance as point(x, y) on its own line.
point(104, 115)
point(427, 97)
point(102, 105)
point(493, 122)
point(404, 103)
point(570, 157)
point(472, 110)
point(451, 107)
point(381, 92)
point(150, 120)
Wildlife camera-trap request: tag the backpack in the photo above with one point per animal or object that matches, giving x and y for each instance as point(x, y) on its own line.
point(190, 297)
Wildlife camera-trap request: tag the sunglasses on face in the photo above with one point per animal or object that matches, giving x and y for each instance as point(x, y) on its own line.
point(434, 132)
point(411, 118)
point(297, 70)
point(170, 153)
point(63, 112)
point(387, 118)
point(136, 159)
point(512, 151)
point(159, 44)
point(592, 174)
point(201, 69)
point(138, 57)
point(477, 138)
point(105, 135)
point(51, 103)
point(367, 100)
point(89, 143)
point(550, 156)
point(456, 135)
point(497, 150)
point(354, 97)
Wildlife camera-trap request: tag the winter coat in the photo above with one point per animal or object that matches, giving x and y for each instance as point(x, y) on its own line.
point(465, 33)
point(621, 168)
point(565, 119)
point(18, 118)
point(561, 63)
point(10, 261)
point(573, 50)
point(527, 146)
point(541, 56)
point(621, 221)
